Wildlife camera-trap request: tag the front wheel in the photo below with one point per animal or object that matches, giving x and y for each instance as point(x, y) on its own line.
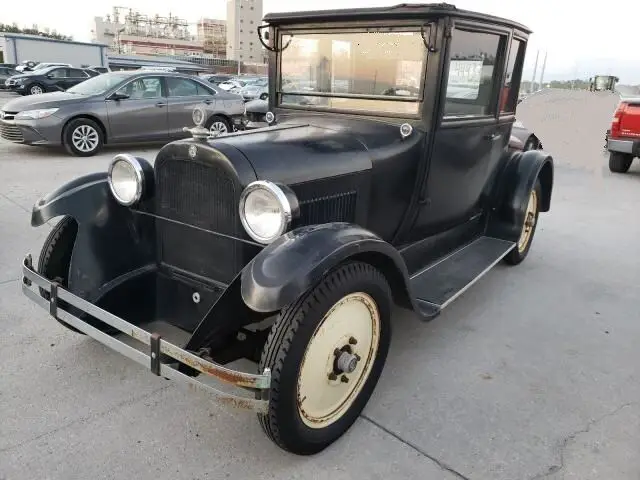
point(83, 137)
point(35, 89)
point(326, 353)
point(532, 210)
point(620, 162)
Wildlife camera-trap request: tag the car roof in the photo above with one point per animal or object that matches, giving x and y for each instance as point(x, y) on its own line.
point(402, 11)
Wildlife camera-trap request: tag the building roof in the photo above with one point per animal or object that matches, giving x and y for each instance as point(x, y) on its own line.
point(47, 39)
point(403, 11)
point(152, 61)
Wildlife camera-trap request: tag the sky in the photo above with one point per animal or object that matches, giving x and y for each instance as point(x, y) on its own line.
point(581, 40)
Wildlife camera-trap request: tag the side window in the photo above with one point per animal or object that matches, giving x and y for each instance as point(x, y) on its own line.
point(141, 88)
point(471, 82)
point(183, 87)
point(77, 73)
point(59, 73)
point(511, 87)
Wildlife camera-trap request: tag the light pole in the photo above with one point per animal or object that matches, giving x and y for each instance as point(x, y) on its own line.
point(533, 79)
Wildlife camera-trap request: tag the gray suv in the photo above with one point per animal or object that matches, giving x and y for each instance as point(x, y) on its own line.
point(117, 107)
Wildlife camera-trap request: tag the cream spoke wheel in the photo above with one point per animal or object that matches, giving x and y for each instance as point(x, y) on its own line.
point(529, 221)
point(326, 352)
point(338, 360)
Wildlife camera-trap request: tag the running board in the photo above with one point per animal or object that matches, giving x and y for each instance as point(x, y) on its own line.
point(442, 282)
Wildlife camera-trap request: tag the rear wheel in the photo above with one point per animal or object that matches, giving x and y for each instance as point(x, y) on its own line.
point(532, 210)
point(55, 256)
point(532, 144)
point(620, 162)
point(218, 125)
point(326, 352)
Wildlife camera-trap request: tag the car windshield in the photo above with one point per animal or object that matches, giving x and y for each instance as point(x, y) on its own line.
point(99, 84)
point(379, 71)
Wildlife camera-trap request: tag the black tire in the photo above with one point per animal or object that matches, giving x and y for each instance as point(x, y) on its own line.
point(264, 96)
point(29, 89)
point(75, 124)
point(620, 162)
point(55, 256)
point(220, 119)
point(286, 347)
point(517, 255)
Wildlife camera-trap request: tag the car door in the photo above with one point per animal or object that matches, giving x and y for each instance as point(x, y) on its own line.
point(183, 95)
point(142, 116)
point(57, 79)
point(75, 77)
point(467, 140)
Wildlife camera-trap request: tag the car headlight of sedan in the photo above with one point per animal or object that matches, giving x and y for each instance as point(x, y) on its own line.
point(36, 114)
point(266, 210)
point(129, 178)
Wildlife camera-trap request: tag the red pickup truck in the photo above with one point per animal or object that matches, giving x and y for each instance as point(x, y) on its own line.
point(623, 139)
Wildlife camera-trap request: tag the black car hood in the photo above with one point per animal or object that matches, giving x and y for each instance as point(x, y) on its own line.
point(304, 148)
point(44, 100)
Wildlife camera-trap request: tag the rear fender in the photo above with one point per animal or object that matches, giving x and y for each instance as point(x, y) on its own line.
point(512, 191)
point(298, 260)
point(111, 241)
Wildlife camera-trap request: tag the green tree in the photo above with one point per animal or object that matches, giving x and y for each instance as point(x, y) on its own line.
point(13, 28)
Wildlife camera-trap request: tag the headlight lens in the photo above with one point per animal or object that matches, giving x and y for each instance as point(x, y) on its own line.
point(126, 179)
point(265, 211)
point(36, 114)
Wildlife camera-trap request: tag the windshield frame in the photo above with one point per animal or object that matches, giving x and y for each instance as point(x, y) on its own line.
point(422, 27)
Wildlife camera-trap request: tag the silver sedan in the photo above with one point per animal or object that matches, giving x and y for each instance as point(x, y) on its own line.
point(117, 107)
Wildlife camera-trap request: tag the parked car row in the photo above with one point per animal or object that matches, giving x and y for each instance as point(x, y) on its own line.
point(249, 87)
point(127, 106)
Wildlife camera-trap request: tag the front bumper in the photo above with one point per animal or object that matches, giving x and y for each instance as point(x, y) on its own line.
point(160, 351)
point(44, 131)
point(623, 146)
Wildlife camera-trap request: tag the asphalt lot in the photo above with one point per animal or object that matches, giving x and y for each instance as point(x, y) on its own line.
point(532, 374)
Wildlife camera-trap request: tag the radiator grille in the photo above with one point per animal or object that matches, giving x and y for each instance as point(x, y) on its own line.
point(204, 196)
point(10, 132)
point(334, 208)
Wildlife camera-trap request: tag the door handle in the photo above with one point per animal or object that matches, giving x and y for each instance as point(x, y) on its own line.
point(160, 104)
point(208, 102)
point(492, 136)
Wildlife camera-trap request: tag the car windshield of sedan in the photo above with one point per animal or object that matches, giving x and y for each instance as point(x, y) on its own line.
point(376, 71)
point(100, 84)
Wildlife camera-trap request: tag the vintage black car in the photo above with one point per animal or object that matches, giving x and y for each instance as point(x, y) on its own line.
point(290, 245)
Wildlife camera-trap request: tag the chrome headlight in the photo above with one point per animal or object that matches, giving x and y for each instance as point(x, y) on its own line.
point(127, 178)
point(266, 210)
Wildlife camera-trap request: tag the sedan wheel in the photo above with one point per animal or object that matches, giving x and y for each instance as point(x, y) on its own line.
point(326, 352)
point(83, 137)
point(218, 126)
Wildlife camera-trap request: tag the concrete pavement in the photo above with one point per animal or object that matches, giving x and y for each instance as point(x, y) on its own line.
point(531, 374)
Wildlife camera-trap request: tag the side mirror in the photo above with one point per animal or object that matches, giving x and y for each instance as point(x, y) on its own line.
point(118, 96)
point(49, 75)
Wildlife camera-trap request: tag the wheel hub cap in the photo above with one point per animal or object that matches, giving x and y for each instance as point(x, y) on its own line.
point(338, 360)
point(347, 362)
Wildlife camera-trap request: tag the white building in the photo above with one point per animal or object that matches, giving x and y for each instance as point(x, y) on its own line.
point(17, 47)
point(128, 31)
point(243, 19)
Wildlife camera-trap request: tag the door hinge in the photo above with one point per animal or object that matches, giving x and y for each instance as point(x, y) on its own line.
point(447, 31)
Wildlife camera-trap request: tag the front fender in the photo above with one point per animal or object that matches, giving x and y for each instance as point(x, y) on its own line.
point(519, 177)
point(295, 262)
point(76, 198)
point(112, 240)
